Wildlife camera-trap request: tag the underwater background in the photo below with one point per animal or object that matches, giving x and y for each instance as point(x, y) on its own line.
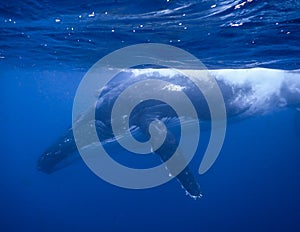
point(46, 47)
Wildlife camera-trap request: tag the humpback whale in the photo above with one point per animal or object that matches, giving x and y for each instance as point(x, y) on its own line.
point(246, 93)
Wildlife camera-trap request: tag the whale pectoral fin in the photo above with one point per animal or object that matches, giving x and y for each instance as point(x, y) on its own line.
point(189, 183)
point(185, 177)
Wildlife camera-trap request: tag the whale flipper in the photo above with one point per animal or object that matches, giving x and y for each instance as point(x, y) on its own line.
point(185, 177)
point(169, 149)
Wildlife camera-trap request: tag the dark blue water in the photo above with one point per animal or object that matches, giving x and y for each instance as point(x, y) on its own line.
point(46, 47)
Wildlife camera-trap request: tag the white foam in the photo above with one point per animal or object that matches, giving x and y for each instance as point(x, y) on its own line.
point(150, 71)
point(261, 88)
point(269, 87)
point(264, 84)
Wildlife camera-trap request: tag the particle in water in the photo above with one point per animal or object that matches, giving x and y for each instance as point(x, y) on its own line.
point(240, 5)
point(236, 24)
point(92, 14)
point(57, 20)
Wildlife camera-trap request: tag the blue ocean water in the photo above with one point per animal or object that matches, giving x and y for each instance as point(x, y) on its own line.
point(46, 48)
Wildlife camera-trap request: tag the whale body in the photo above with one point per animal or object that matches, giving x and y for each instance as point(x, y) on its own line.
point(246, 92)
